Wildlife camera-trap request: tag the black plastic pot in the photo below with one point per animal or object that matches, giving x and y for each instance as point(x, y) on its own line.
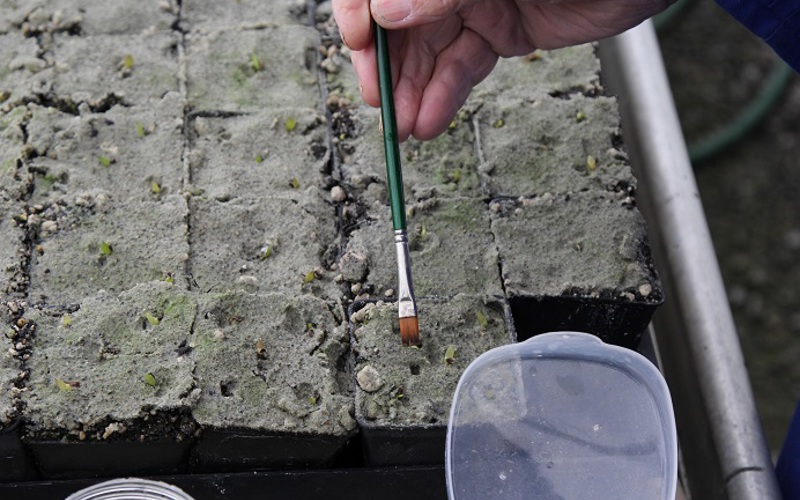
point(57, 459)
point(238, 450)
point(15, 460)
point(619, 322)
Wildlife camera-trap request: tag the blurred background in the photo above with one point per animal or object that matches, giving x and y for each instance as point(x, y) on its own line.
point(749, 185)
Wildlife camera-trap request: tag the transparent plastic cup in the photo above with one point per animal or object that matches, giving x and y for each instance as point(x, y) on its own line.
point(130, 489)
point(561, 416)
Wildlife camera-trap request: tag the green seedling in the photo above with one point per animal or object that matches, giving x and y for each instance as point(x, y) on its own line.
point(294, 183)
point(66, 320)
point(312, 400)
point(259, 159)
point(290, 124)
point(265, 252)
point(150, 379)
point(498, 123)
point(256, 63)
point(309, 277)
point(153, 320)
point(155, 187)
point(591, 163)
point(105, 161)
point(580, 116)
point(140, 130)
point(66, 386)
point(449, 355)
point(482, 319)
point(127, 61)
point(106, 248)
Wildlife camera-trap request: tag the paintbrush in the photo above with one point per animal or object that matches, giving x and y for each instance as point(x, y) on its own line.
point(406, 305)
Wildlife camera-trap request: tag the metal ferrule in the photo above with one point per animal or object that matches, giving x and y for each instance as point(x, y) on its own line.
point(406, 304)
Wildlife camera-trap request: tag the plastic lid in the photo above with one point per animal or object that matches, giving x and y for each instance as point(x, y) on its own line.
point(561, 416)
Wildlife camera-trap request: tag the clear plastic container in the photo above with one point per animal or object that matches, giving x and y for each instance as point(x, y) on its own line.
point(130, 489)
point(561, 416)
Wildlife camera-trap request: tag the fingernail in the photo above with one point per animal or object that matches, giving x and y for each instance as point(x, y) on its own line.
point(392, 10)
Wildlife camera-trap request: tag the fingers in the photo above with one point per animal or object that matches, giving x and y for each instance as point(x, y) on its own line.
point(355, 22)
point(461, 66)
point(396, 14)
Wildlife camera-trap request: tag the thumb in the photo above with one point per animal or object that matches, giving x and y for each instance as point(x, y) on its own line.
point(394, 14)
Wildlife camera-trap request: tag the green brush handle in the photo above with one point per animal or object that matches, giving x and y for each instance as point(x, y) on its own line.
point(391, 145)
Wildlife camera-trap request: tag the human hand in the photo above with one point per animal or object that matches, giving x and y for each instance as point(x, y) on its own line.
point(441, 49)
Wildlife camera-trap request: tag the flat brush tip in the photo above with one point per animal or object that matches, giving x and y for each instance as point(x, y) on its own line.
point(409, 331)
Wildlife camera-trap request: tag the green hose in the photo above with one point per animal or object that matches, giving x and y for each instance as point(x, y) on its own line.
point(747, 119)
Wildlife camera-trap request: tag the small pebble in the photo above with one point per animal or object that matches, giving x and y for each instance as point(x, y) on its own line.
point(388, 293)
point(369, 379)
point(337, 194)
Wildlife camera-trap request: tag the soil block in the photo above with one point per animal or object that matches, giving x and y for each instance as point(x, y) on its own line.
point(252, 70)
point(131, 152)
point(97, 241)
point(132, 69)
point(19, 63)
point(557, 72)
point(112, 379)
point(211, 15)
point(452, 250)
point(279, 152)
point(264, 245)
point(445, 167)
point(275, 385)
point(592, 270)
point(568, 147)
point(404, 394)
point(81, 17)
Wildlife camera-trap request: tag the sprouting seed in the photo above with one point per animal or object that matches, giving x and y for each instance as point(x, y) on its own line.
point(155, 187)
point(153, 320)
point(456, 175)
point(256, 63)
point(591, 163)
point(106, 248)
point(169, 278)
point(423, 232)
point(482, 319)
point(127, 61)
point(265, 252)
point(261, 349)
point(580, 116)
point(140, 131)
point(290, 124)
point(312, 400)
point(105, 161)
point(310, 276)
point(64, 386)
point(452, 125)
point(150, 379)
point(294, 183)
point(498, 123)
point(66, 320)
point(449, 355)
point(259, 159)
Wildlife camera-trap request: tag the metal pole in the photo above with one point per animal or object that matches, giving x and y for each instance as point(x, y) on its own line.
point(696, 328)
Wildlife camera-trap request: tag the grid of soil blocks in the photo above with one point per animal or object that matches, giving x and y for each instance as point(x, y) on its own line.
point(198, 272)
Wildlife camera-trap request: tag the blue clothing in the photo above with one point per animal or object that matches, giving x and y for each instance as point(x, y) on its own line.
point(788, 468)
point(777, 22)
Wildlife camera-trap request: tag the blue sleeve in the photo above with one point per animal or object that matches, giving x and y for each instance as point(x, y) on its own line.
point(777, 22)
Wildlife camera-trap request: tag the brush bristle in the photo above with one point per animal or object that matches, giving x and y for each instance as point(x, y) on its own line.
point(409, 331)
